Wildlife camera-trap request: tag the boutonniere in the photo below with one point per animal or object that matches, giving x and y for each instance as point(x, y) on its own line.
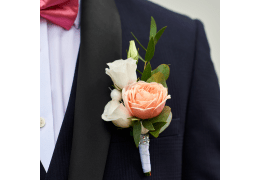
point(139, 102)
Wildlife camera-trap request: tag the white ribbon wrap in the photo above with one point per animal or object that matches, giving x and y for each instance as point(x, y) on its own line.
point(144, 153)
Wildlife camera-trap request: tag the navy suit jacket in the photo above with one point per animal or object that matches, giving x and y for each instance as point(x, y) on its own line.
point(90, 149)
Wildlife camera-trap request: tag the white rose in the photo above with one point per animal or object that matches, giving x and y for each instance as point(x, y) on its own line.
point(122, 72)
point(117, 113)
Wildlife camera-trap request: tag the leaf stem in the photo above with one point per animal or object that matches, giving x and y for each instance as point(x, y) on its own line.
point(139, 71)
point(141, 58)
point(138, 41)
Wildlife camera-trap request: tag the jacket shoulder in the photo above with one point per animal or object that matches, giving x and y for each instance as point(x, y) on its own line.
point(140, 12)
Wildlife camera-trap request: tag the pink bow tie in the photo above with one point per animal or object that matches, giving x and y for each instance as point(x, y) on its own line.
point(60, 12)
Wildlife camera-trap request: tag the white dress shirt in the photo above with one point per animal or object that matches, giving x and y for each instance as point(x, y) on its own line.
point(58, 56)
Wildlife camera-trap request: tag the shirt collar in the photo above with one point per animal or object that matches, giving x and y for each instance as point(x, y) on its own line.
point(77, 20)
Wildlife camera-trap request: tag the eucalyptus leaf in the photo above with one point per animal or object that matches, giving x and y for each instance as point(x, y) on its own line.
point(150, 50)
point(168, 121)
point(157, 127)
point(158, 35)
point(148, 125)
point(147, 72)
point(137, 132)
point(138, 41)
point(159, 78)
point(153, 28)
point(163, 116)
point(164, 69)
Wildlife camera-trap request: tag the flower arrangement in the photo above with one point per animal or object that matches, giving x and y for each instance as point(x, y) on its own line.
point(139, 102)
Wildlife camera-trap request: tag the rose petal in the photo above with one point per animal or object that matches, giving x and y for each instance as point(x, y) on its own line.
point(152, 104)
point(145, 100)
point(121, 114)
point(143, 104)
point(134, 105)
point(160, 107)
point(144, 96)
point(125, 99)
point(109, 109)
point(142, 113)
point(160, 98)
point(122, 72)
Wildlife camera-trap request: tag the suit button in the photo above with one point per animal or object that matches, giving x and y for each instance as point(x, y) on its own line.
point(42, 122)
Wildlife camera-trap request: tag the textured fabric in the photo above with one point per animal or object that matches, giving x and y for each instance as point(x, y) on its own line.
point(59, 51)
point(47, 142)
point(59, 166)
point(60, 12)
point(63, 52)
point(42, 172)
point(201, 139)
point(178, 152)
point(189, 148)
point(100, 44)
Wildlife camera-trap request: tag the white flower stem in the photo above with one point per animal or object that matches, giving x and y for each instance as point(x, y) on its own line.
point(145, 154)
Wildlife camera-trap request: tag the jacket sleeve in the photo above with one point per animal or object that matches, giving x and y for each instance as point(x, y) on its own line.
point(201, 148)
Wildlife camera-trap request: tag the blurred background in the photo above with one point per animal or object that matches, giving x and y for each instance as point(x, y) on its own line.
point(208, 12)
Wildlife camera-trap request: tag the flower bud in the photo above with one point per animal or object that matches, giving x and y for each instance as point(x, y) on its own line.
point(116, 95)
point(132, 52)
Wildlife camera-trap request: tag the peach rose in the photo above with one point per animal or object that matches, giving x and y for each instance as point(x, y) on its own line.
point(145, 100)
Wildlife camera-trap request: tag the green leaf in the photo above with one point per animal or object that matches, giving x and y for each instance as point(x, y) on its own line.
point(147, 72)
point(153, 28)
point(161, 122)
point(157, 127)
point(158, 35)
point(137, 132)
point(148, 125)
point(150, 50)
point(138, 41)
point(164, 69)
point(159, 78)
point(163, 116)
point(168, 121)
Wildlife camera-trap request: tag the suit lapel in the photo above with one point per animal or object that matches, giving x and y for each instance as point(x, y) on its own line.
point(100, 43)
